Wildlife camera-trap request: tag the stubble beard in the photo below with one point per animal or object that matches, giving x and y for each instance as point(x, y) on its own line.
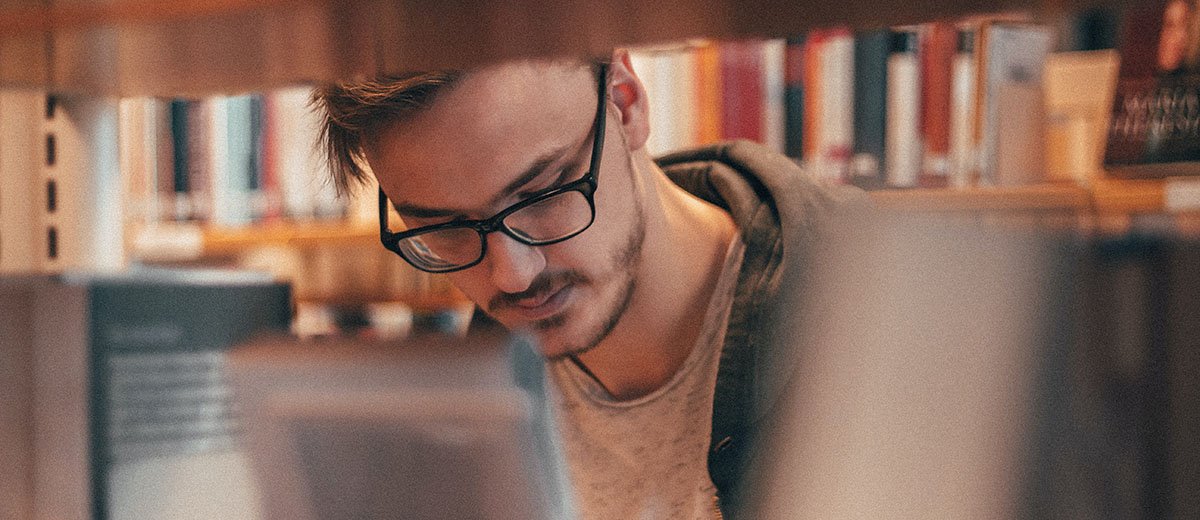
point(625, 263)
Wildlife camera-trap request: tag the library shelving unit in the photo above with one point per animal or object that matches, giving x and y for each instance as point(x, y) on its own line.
point(100, 49)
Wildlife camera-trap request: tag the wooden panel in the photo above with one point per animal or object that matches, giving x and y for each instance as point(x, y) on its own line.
point(205, 46)
point(1023, 198)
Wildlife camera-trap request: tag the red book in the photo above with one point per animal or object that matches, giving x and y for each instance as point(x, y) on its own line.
point(939, 44)
point(742, 90)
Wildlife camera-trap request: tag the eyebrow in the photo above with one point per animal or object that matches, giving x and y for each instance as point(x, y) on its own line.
point(535, 170)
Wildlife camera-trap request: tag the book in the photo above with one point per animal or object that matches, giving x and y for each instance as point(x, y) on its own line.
point(742, 90)
point(125, 409)
point(1155, 125)
point(1010, 122)
point(939, 44)
point(708, 92)
point(835, 141)
point(84, 215)
point(794, 97)
point(428, 427)
point(903, 144)
point(295, 162)
point(964, 157)
point(871, 50)
point(774, 57)
point(669, 76)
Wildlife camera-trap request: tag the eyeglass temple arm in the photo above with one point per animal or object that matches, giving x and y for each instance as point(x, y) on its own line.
point(598, 148)
point(383, 214)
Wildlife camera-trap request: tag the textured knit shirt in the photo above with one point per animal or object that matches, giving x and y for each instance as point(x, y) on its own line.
point(646, 458)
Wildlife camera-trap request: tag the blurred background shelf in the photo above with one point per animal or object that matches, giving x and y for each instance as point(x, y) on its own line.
point(1040, 197)
point(161, 47)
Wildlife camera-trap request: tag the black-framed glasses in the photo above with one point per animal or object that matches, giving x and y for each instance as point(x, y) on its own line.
point(548, 217)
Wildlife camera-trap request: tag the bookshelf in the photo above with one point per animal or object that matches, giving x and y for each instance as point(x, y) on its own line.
point(97, 49)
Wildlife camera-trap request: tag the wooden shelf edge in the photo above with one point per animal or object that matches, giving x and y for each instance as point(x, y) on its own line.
point(1015, 198)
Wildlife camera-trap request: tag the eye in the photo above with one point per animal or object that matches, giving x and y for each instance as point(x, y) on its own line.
point(546, 183)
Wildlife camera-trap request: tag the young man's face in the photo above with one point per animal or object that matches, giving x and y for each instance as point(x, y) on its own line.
point(498, 136)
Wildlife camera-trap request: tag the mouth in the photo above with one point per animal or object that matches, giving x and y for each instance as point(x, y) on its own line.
point(542, 306)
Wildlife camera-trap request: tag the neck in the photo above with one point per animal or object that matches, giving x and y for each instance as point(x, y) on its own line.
point(684, 252)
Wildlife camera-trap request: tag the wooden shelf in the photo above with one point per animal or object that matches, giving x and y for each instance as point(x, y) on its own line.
point(295, 234)
point(1067, 197)
point(193, 47)
point(1121, 196)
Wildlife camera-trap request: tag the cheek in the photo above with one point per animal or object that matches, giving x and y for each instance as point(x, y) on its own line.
point(475, 283)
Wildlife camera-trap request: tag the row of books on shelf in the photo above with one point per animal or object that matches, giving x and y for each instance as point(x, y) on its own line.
point(950, 103)
point(227, 161)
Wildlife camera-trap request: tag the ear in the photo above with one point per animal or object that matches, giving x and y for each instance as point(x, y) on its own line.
point(629, 96)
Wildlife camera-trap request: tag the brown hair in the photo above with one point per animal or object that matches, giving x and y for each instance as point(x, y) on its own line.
point(351, 111)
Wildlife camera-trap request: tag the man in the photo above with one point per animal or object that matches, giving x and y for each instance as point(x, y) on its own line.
point(651, 296)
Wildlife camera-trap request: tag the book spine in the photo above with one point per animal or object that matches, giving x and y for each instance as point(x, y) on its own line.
point(964, 158)
point(837, 106)
point(774, 106)
point(871, 51)
point(794, 98)
point(138, 159)
point(741, 95)
point(937, 56)
point(709, 110)
point(812, 100)
point(645, 66)
point(181, 141)
point(903, 150)
point(205, 146)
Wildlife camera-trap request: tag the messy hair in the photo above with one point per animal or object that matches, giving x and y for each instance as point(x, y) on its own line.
point(353, 110)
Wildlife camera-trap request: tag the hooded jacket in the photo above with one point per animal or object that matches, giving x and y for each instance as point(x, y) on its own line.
point(782, 215)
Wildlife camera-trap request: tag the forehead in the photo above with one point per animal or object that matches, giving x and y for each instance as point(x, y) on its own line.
point(483, 133)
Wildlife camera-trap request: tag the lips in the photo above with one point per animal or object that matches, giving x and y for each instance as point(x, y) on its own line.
point(543, 305)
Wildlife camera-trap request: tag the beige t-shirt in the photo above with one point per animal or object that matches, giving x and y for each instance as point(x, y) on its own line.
point(646, 458)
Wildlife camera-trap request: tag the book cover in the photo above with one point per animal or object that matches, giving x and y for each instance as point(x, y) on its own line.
point(429, 427)
point(1155, 126)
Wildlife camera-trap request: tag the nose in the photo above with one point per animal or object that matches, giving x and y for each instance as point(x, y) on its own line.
point(513, 265)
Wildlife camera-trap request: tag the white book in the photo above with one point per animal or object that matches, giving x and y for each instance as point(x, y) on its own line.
point(837, 106)
point(903, 143)
point(774, 110)
point(646, 64)
point(1011, 76)
point(87, 223)
point(963, 155)
point(303, 174)
point(22, 189)
point(139, 156)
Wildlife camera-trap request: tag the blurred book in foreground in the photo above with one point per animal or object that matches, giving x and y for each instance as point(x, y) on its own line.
point(430, 427)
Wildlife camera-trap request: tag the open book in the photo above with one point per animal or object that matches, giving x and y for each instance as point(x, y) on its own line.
point(430, 427)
